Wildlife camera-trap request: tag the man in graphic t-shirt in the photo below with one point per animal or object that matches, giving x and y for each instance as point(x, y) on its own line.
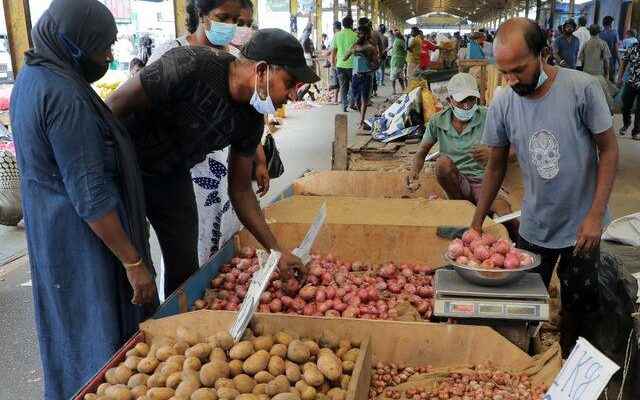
point(559, 124)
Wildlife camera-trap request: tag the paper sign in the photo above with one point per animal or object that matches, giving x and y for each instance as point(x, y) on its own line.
point(258, 284)
point(584, 376)
point(304, 249)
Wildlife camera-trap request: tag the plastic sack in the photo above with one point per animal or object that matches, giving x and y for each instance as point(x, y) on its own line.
point(609, 328)
point(10, 201)
point(625, 230)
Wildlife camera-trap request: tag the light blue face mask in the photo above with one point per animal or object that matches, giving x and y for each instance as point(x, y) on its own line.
point(220, 33)
point(262, 106)
point(462, 114)
point(542, 78)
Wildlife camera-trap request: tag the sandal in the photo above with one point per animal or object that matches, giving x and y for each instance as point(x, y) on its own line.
point(623, 130)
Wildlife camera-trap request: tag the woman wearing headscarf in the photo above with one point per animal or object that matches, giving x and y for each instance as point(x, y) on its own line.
point(211, 23)
point(82, 199)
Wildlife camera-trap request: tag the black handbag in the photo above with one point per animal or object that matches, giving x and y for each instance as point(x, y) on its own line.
point(275, 167)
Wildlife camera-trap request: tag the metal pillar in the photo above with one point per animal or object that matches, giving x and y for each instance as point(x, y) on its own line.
point(628, 17)
point(572, 7)
point(527, 6)
point(375, 13)
point(596, 12)
point(18, 21)
point(318, 23)
point(293, 14)
point(180, 14)
point(256, 12)
point(335, 10)
point(538, 10)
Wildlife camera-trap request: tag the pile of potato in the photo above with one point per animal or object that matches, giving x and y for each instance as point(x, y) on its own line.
point(278, 367)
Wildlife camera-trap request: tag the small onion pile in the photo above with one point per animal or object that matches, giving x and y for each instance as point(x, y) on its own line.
point(334, 288)
point(386, 376)
point(479, 383)
point(485, 251)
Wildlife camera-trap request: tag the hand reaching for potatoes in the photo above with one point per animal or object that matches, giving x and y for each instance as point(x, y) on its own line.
point(142, 283)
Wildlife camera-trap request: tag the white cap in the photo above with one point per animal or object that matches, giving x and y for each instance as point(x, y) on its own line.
point(463, 85)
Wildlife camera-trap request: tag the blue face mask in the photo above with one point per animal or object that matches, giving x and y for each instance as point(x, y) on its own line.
point(462, 114)
point(542, 78)
point(262, 106)
point(220, 33)
point(528, 89)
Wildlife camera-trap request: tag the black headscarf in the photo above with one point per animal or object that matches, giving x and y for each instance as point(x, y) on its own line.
point(66, 34)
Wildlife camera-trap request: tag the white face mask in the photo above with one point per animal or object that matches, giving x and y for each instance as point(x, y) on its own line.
point(262, 106)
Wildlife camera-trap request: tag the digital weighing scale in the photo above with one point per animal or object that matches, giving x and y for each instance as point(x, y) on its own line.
point(526, 299)
point(516, 311)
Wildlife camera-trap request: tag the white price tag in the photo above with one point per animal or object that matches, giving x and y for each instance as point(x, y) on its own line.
point(584, 376)
point(304, 249)
point(258, 284)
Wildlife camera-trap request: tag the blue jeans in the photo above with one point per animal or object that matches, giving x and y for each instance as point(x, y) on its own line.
point(344, 79)
point(380, 73)
point(361, 87)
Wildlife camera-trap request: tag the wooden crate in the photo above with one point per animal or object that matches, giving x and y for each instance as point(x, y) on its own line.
point(364, 184)
point(370, 229)
point(411, 343)
point(207, 322)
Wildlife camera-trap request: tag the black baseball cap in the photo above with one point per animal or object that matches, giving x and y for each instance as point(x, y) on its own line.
point(281, 48)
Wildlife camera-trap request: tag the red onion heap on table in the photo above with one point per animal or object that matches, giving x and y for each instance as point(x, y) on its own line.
point(334, 288)
point(485, 251)
point(477, 383)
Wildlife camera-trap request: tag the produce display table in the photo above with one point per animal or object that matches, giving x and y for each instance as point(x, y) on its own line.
point(444, 348)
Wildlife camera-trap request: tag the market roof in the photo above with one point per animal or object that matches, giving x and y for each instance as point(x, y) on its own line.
point(473, 10)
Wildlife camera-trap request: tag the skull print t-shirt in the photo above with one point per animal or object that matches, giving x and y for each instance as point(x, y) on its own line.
point(553, 138)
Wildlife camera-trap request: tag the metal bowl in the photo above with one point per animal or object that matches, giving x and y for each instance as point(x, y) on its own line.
point(493, 277)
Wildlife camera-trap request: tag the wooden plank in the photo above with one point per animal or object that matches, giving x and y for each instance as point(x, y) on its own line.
point(412, 343)
point(360, 143)
point(340, 157)
point(361, 376)
point(364, 184)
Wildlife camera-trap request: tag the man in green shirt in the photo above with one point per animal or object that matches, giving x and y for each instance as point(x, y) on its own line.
point(343, 41)
point(458, 129)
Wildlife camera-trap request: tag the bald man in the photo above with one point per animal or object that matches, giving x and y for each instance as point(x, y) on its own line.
point(560, 126)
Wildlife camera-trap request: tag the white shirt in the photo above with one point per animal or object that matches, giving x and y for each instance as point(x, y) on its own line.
point(583, 36)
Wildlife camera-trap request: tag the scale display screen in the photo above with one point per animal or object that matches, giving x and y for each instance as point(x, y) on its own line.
point(492, 309)
point(521, 310)
point(462, 308)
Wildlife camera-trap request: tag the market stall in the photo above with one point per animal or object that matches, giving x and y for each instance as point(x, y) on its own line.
point(343, 348)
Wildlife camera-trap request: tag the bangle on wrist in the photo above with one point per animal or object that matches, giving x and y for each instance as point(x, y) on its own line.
point(133, 265)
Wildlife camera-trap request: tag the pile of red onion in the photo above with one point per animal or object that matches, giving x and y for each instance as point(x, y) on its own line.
point(485, 251)
point(478, 383)
point(334, 288)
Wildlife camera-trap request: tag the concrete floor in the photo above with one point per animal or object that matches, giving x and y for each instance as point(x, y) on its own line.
point(304, 141)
